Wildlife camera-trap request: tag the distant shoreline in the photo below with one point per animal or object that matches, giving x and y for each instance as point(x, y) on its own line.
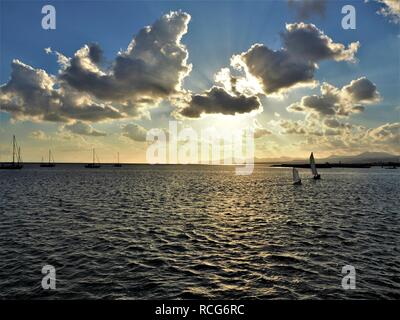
point(326, 165)
point(339, 165)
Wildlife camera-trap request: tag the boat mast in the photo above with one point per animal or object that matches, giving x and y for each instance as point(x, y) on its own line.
point(49, 155)
point(13, 149)
point(118, 157)
point(93, 156)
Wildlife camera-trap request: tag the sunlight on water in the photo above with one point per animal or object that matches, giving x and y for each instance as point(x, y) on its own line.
point(142, 232)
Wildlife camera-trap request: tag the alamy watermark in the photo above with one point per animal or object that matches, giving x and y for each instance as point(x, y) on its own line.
point(349, 280)
point(211, 146)
point(49, 20)
point(49, 280)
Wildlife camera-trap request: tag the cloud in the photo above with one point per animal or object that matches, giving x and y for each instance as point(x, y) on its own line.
point(150, 69)
point(307, 8)
point(307, 42)
point(386, 133)
point(362, 90)
point(341, 137)
point(295, 64)
point(29, 91)
point(390, 9)
point(86, 88)
point(32, 93)
point(332, 123)
point(262, 70)
point(338, 102)
point(292, 127)
point(259, 130)
point(352, 138)
point(276, 70)
point(38, 135)
point(218, 101)
point(134, 132)
point(82, 128)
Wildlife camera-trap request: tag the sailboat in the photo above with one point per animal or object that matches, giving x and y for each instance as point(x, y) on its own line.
point(93, 164)
point(313, 167)
point(296, 177)
point(118, 164)
point(50, 164)
point(16, 161)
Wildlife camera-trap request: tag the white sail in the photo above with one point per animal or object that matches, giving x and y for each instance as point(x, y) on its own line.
point(312, 165)
point(296, 176)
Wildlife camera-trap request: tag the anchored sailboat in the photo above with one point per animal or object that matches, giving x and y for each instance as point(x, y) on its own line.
point(16, 160)
point(93, 164)
point(118, 164)
point(51, 163)
point(296, 177)
point(313, 167)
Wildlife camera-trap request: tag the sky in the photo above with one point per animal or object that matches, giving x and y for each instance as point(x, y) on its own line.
point(112, 70)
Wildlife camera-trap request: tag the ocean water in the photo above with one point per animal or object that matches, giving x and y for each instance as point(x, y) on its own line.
point(185, 232)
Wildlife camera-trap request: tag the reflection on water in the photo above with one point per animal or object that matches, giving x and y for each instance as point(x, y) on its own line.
point(149, 232)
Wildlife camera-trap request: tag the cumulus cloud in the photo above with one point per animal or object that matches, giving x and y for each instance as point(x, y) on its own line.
point(386, 133)
point(311, 127)
point(292, 127)
point(38, 135)
point(352, 138)
point(84, 129)
point(338, 102)
point(32, 93)
point(334, 123)
point(332, 134)
point(390, 9)
point(259, 130)
point(276, 70)
point(217, 100)
point(86, 88)
point(134, 132)
point(307, 8)
point(295, 64)
point(361, 90)
point(151, 68)
point(307, 42)
point(261, 70)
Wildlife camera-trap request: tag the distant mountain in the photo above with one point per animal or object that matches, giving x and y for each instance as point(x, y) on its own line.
point(365, 157)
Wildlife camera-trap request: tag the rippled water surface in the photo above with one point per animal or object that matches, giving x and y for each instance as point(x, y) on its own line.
point(151, 232)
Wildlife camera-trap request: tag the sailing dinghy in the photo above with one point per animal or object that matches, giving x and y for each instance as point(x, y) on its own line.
point(296, 177)
point(313, 167)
